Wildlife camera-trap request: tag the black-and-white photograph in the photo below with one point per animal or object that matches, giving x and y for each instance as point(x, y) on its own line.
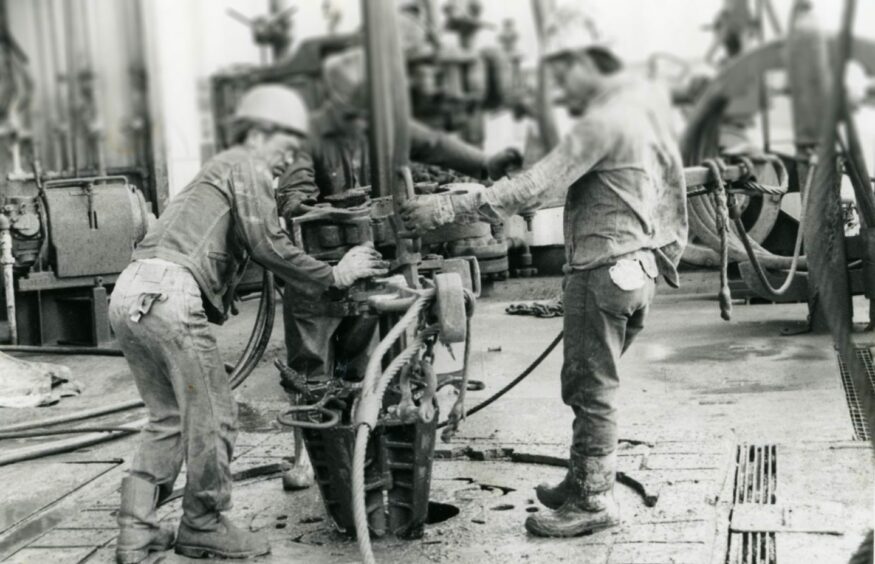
point(437, 281)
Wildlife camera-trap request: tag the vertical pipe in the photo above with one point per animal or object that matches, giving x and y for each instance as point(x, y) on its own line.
point(547, 127)
point(7, 261)
point(70, 41)
point(389, 120)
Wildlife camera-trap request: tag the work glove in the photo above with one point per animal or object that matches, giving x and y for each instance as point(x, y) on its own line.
point(503, 162)
point(359, 262)
point(425, 213)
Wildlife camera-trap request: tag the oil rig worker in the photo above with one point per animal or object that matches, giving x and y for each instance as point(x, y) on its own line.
point(625, 223)
point(339, 161)
point(182, 276)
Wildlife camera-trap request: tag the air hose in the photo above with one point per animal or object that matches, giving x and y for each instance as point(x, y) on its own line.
point(513, 383)
point(252, 353)
point(368, 404)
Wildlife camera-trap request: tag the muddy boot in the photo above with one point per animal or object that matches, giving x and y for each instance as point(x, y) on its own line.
point(554, 496)
point(225, 541)
point(139, 530)
point(590, 508)
point(299, 476)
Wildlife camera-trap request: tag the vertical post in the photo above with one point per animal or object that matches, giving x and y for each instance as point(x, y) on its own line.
point(809, 75)
point(547, 128)
point(7, 261)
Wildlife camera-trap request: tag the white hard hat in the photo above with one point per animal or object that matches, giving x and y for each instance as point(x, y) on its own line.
point(276, 105)
point(572, 27)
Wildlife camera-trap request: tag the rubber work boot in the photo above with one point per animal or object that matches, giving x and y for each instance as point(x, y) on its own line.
point(225, 541)
point(554, 496)
point(139, 530)
point(590, 508)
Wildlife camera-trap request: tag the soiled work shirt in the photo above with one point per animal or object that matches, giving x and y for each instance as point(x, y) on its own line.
point(623, 179)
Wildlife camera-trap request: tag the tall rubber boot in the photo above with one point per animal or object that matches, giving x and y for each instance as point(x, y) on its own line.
point(139, 530)
point(300, 475)
point(223, 540)
point(553, 497)
point(589, 509)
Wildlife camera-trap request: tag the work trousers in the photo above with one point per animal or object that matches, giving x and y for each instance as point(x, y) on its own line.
point(601, 321)
point(158, 317)
point(316, 341)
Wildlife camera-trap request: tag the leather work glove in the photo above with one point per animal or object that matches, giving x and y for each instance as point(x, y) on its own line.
point(359, 262)
point(503, 162)
point(425, 213)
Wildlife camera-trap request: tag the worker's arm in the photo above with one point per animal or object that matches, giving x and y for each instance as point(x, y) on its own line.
point(257, 224)
point(434, 147)
point(578, 153)
point(297, 185)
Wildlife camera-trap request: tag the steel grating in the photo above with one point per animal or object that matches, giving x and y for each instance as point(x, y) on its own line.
point(858, 418)
point(756, 481)
point(756, 474)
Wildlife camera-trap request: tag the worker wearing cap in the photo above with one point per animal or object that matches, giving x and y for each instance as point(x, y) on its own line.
point(625, 222)
point(183, 275)
point(340, 160)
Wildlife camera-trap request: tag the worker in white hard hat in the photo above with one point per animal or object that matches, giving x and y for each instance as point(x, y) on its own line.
point(182, 276)
point(625, 223)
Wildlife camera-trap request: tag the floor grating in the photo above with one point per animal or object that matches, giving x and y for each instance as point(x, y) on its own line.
point(756, 481)
point(858, 417)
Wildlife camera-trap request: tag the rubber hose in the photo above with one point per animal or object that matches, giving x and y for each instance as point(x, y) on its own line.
point(51, 432)
point(255, 347)
point(75, 416)
point(512, 384)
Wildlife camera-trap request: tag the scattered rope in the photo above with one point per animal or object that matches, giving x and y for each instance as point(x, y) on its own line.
point(545, 309)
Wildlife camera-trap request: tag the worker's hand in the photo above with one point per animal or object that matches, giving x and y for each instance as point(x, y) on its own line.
point(359, 262)
point(424, 213)
point(503, 162)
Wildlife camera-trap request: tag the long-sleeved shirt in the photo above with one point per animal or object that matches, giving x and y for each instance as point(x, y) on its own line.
point(339, 159)
point(623, 179)
point(225, 215)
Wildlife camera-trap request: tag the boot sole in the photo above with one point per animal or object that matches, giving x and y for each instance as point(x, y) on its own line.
point(137, 556)
point(537, 531)
point(205, 552)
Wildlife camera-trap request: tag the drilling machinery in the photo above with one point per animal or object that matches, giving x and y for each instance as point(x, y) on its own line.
point(451, 84)
point(380, 429)
point(69, 228)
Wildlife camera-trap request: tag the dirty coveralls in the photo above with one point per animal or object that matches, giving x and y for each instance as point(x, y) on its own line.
point(341, 161)
point(182, 276)
point(625, 222)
